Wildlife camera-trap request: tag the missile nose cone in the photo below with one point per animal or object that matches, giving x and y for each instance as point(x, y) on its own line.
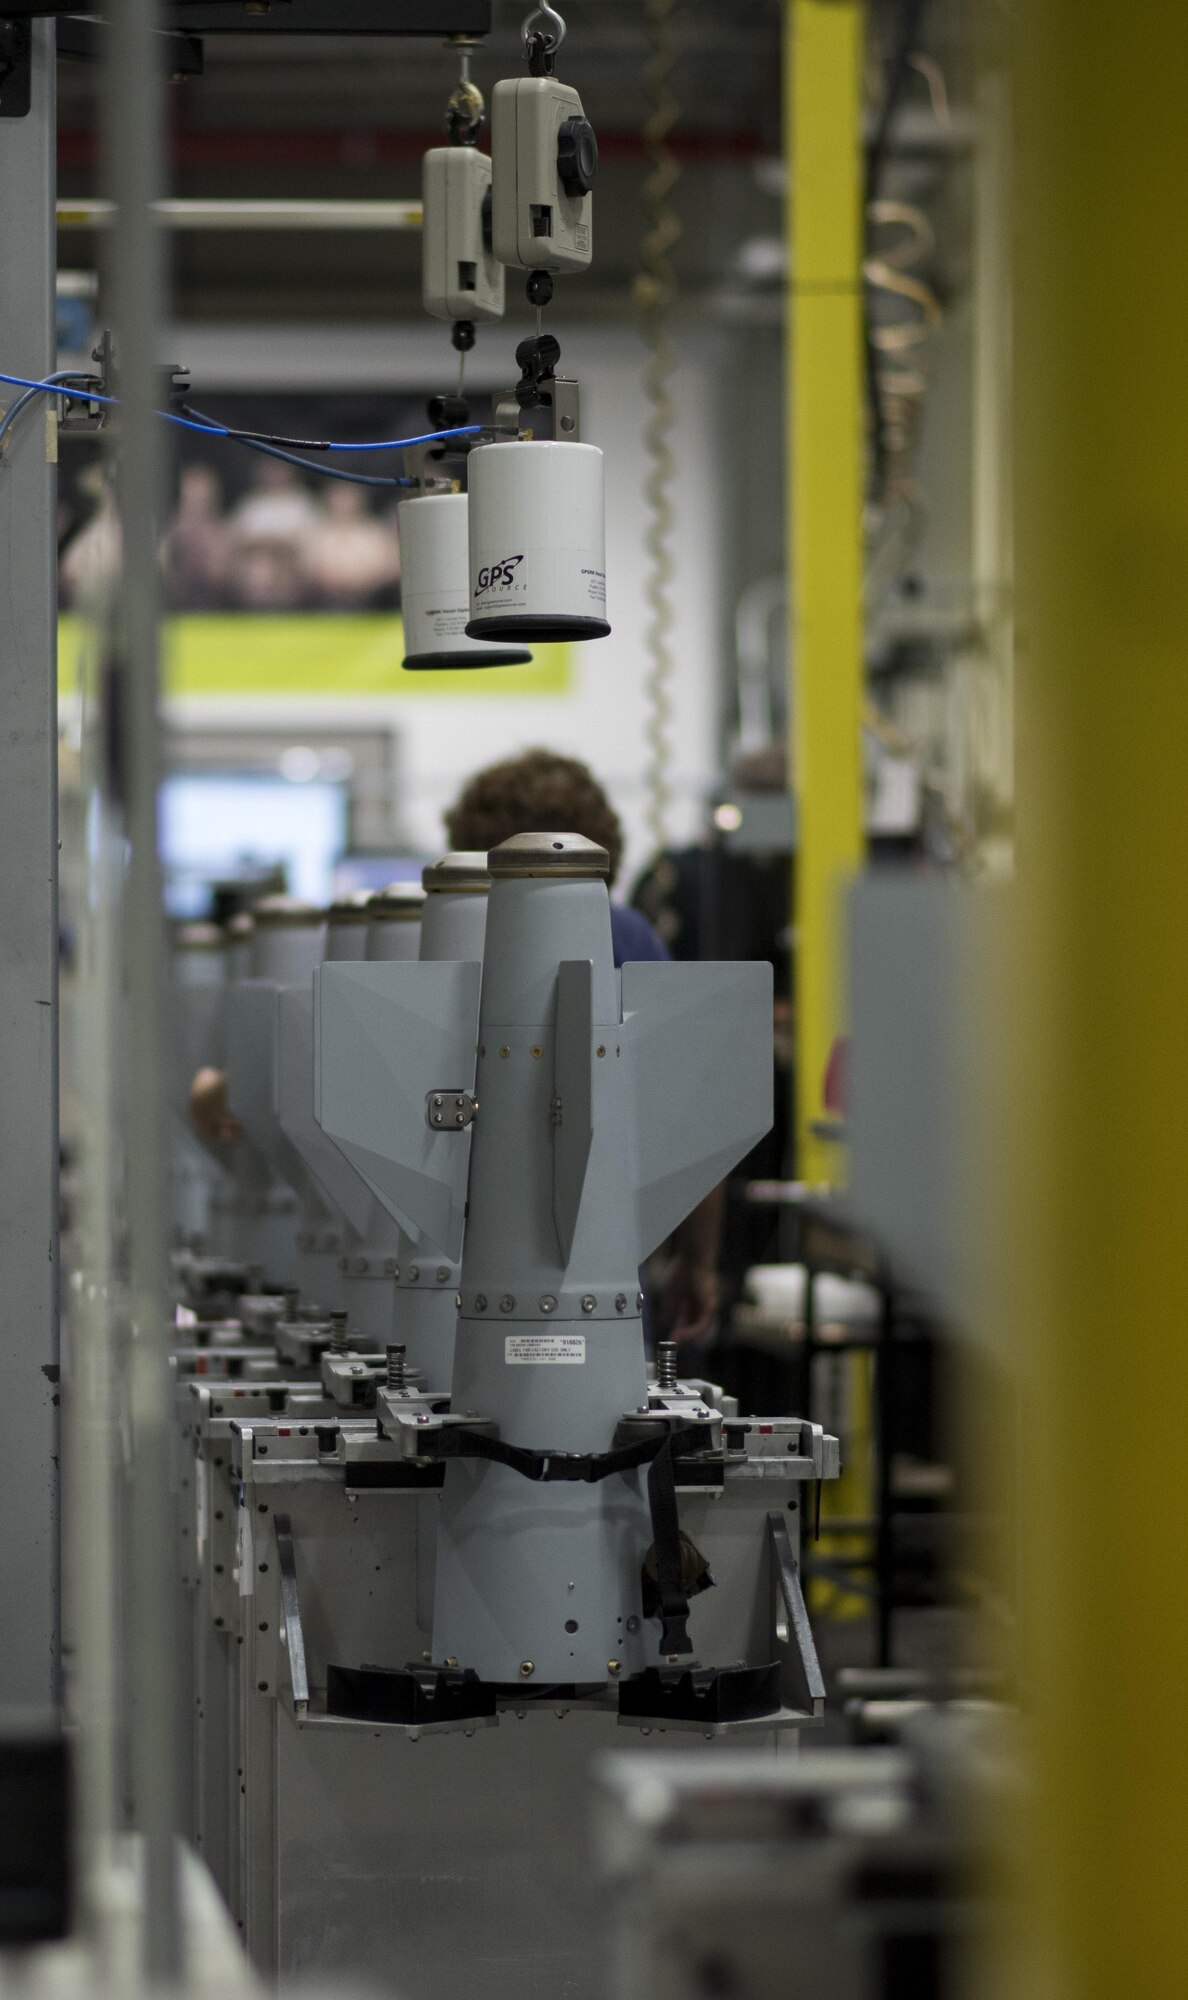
point(567, 857)
point(198, 937)
point(349, 909)
point(399, 903)
point(286, 912)
point(461, 873)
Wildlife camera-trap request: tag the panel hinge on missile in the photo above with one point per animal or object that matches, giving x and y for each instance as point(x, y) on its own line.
point(450, 1110)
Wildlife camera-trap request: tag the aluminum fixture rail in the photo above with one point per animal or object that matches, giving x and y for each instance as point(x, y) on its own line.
point(29, 919)
point(823, 96)
point(255, 215)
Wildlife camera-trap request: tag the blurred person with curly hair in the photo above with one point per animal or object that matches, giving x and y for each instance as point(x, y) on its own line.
point(543, 792)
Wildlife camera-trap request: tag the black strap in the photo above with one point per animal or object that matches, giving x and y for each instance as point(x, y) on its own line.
point(666, 1538)
point(588, 1467)
point(585, 1467)
point(591, 1467)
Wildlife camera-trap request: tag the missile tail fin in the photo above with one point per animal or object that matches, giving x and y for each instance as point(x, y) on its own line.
point(573, 1129)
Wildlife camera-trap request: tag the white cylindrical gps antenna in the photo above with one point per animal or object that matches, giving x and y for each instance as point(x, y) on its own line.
point(537, 542)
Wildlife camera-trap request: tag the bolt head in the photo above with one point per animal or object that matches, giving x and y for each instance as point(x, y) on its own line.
point(451, 1660)
point(457, 1301)
point(480, 1302)
point(621, 1302)
point(414, 1272)
point(443, 1274)
point(527, 1669)
point(589, 1303)
point(422, 1420)
point(391, 1268)
point(548, 1304)
point(639, 1301)
point(507, 1303)
point(614, 1666)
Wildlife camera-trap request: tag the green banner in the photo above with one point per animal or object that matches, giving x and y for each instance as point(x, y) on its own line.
point(307, 653)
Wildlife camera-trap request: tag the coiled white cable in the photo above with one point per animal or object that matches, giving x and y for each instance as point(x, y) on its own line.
point(655, 291)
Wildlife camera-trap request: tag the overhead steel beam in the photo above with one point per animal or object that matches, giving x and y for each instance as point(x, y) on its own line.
point(298, 17)
point(89, 213)
point(333, 17)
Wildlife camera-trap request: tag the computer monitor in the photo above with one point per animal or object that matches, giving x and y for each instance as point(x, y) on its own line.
point(370, 871)
point(217, 826)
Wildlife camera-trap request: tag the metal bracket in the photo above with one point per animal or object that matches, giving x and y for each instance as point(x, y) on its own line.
point(567, 410)
point(291, 1611)
point(450, 1110)
point(802, 1685)
point(414, 1420)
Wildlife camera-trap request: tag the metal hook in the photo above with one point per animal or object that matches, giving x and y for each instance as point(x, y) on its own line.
point(552, 19)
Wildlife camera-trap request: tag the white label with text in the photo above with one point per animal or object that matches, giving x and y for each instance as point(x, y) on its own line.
point(534, 1348)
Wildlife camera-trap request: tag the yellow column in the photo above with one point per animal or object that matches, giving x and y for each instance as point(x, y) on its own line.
point(1100, 1151)
point(823, 142)
point(824, 401)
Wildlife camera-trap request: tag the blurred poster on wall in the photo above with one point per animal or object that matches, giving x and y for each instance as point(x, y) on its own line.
point(246, 532)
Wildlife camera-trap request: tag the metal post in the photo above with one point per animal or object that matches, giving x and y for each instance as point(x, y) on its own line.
point(29, 1636)
point(823, 47)
point(134, 159)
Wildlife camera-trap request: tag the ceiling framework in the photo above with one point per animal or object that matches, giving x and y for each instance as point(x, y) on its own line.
point(294, 117)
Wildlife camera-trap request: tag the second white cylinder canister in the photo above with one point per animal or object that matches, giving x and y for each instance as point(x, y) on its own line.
point(435, 594)
point(537, 542)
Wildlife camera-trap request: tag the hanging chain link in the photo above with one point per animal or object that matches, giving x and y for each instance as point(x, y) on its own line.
point(655, 292)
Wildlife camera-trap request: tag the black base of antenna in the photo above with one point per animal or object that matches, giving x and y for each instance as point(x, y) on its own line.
point(501, 656)
point(539, 628)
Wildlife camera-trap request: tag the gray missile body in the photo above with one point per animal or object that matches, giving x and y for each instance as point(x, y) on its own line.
point(398, 1288)
point(289, 940)
point(608, 1105)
